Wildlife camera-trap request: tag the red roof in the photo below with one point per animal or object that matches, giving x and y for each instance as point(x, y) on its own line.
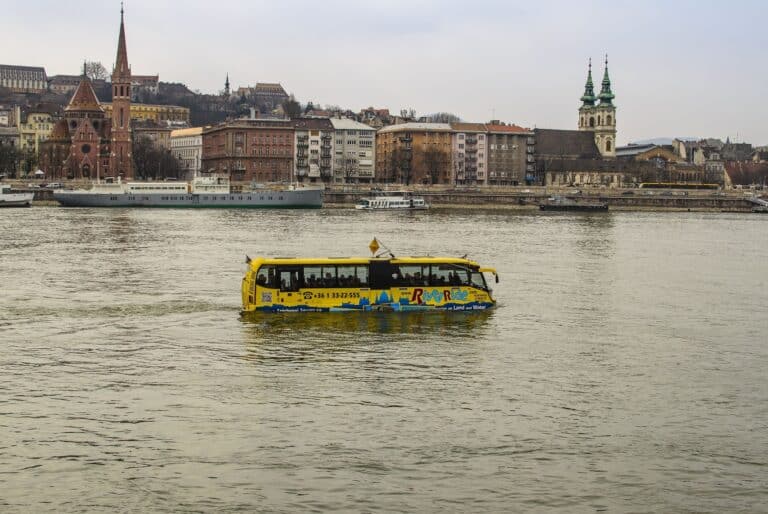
point(84, 98)
point(507, 128)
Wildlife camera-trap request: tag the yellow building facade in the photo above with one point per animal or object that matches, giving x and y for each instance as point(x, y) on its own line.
point(156, 113)
point(414, 153)
point(34, 128)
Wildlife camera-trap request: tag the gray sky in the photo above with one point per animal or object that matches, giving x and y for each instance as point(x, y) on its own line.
point(678, 68)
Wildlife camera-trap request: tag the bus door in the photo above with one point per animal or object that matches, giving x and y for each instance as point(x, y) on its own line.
point(288, 282)
point(384, 276)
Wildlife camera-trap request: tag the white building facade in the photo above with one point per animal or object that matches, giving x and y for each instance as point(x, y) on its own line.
point(354, 158)
point(187, 147)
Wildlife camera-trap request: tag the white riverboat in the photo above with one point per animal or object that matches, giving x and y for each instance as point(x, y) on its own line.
point(9, 199)
point(392, 200)
point(210, 191)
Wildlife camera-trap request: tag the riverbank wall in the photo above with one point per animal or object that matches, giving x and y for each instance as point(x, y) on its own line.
point(531, 200)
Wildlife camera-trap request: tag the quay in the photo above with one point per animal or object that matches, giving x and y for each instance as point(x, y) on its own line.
point(530, 197)
point(521, 197)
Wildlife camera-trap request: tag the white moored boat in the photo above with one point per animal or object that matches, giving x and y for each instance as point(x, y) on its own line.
point(392, 200)
point(211, 191)
point(8, 199)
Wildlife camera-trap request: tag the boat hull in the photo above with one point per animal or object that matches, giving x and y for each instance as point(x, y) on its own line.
point(17, 200)
point(286, 199)
point(362, 208)
point(388, 307)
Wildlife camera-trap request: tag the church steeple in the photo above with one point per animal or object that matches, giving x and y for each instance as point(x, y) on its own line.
point(226, 86)
point(121, 162)
point(606, 95)
point(121, 62)
point(589, 89)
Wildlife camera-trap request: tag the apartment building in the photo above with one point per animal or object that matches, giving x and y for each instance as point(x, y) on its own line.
point(314, 149)
point(250, 149)
point(354, 156)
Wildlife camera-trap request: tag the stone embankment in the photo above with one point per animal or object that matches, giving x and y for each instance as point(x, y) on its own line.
point(530, 198)
point(511, 197)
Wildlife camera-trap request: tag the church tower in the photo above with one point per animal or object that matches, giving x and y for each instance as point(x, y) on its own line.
point(226, 87)
point(600, 118)
point(120, 151)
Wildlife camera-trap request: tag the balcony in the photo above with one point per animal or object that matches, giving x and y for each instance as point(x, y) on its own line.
point(471, 141)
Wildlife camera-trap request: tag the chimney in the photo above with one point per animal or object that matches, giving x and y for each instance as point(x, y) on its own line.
point(253, 113)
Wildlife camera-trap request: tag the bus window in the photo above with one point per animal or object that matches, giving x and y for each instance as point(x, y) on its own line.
point(477, 280)
point(414, 274)
point(440, 275)
point(267, 277)
point(329, 276)
point(289, 279)
point(346, 276)
point(459, 277)
point(313, 276)
point(361, 276)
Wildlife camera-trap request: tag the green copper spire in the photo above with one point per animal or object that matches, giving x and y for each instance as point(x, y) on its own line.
point(606, 95)
point(589, 89)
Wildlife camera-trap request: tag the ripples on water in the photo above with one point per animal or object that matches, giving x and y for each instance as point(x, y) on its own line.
point(623, 370)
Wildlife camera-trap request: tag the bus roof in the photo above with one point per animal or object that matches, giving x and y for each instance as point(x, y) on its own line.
point(308, 261)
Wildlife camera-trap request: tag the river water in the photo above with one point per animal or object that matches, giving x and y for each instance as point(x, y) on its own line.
point(623, 370)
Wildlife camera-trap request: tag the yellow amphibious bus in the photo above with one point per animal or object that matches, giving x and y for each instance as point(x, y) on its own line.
point(365, 284)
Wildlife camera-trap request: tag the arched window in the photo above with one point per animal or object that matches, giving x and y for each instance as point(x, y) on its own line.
point(122, 121)
point(591, 121)
point(115, 93)
point(609, 120)
point(608, 145)
point(599, 120)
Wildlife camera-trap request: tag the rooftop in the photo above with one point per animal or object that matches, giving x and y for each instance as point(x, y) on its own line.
point(347, 124)
point(424, 127)
point(192, 131)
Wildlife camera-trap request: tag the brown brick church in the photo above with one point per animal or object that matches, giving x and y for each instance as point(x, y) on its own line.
point(86, 144)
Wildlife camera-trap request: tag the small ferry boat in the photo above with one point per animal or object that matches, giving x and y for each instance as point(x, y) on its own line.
point(561, 203)
point(392, 200)
point(9, 199)
point(365, 284)
point(210, 191)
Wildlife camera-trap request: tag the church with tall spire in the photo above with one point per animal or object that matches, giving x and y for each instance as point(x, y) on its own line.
point(121, 161)
point(597, 114)
point(86, 143)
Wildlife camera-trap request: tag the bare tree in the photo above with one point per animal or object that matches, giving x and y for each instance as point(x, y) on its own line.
point(350, 168)
point(9, 160)
point(442, 117)
point(436, 163)
point(95, 70)
point(408, 114)
point(153, 161)
point(399, 167)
